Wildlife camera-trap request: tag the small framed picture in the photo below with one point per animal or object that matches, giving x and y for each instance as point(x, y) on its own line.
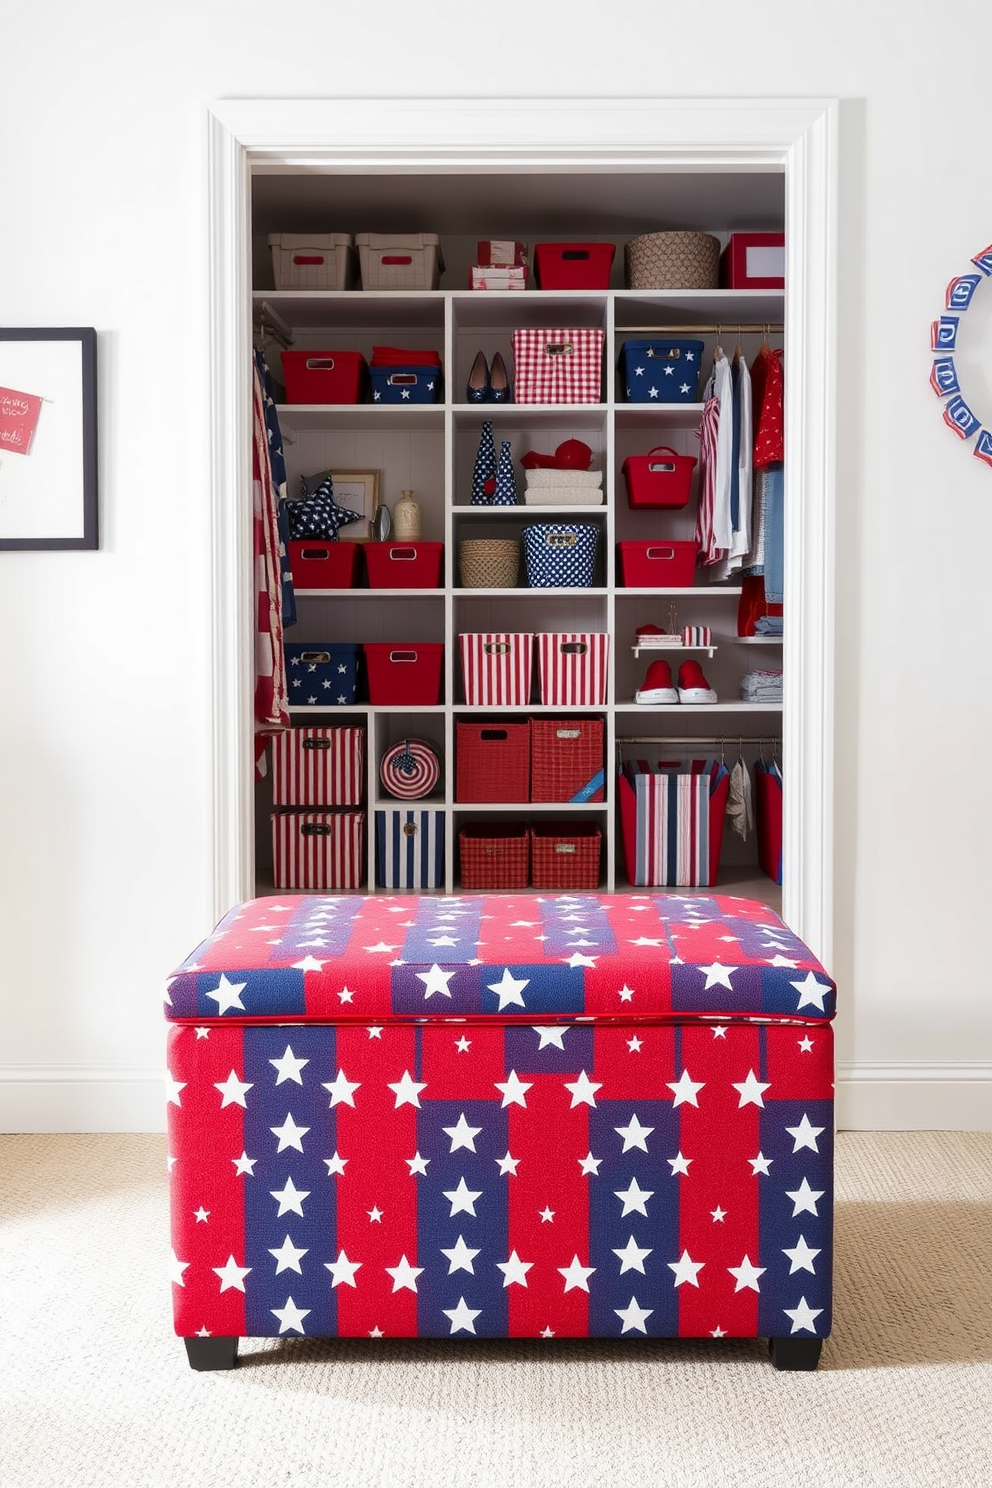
point(48, 461)
point(358, 490)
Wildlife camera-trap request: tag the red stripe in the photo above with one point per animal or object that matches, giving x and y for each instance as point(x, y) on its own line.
point(559, 1188)
point(376, 1136)
point(204, 1178)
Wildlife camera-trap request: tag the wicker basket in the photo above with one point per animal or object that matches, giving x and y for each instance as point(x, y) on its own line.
point(565, 855)
point(494, 855)
point(672, 260)
point(566, 759)
point(489, 563)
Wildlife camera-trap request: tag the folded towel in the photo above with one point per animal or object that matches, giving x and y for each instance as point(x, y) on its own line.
point(574, 478)
point(563, 496)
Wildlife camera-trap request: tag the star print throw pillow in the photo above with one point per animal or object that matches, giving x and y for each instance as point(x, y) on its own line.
point(318, 515)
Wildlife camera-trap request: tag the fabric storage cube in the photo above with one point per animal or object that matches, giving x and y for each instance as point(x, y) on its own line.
point(496, 667)
point(661, 478)
point(565, 855)
point(662, 371)
point(657, 565)
point(566, 759)
point(560, 555)
point(321, 673)
point(573, 265)
point(493, 855)
point(404, 565)
point(753, 260)
point(312, 260)
point(558, 366)
point(318, 767)
point(403, 673)
point(400, 260)
point(573, 668)
point(318, 849)
point(768, 818)
point(413, 384)
point(319, 564)
point(338, 1071)
point(325, 376)
point(672, 819)
point(409, 849)
point(492, 761)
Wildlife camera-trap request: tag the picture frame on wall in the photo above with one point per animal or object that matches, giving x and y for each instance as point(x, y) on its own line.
point(358, 490)
point(48, 438)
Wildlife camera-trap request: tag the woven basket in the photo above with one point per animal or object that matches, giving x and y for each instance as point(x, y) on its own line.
point(565, 855)
point(489, 563)
point(565, 757)
point(672, 260)
point(494, 855)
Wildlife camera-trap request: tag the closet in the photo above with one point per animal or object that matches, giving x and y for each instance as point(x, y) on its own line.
point(430, 449)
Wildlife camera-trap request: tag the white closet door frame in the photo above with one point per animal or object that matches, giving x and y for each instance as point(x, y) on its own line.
point(389, 136)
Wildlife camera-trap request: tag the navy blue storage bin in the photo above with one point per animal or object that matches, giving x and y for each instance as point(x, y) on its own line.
point(660, 371)
point(559, 555)
point(409, 849)
point(406, 384)
point(321, 673)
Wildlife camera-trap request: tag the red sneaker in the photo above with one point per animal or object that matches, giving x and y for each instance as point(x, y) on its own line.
point(693, 686)
point(658, 686)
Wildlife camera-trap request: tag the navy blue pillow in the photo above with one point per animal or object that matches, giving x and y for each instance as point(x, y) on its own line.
point(318, 514)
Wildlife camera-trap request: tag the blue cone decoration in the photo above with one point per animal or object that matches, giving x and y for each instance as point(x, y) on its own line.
point(485, 468)
point(506, 481)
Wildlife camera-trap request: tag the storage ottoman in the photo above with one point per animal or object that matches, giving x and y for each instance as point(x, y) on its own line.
point(501, 1116)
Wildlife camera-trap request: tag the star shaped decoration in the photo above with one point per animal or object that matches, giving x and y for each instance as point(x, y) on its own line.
point(554, 1035)
point(381, 946)
point(751, 1090)
point(547, 1215)
point(173, 1087)
point(679, 1164)
point(634, 1134)
point(803, 1316)
point(288, 1067)
point(343, 1271)
point(435, 980)
point(244, 1164)
point(232, 1276)
point(375, 1214)
point(227, 995)
point(463, 1044)
point(176, 1269)
point(514, 1270)
point(341, 1089)
point(462, 1317)
point(507, 1164)
point(634, 1044)
point(802, 1256)
point(309, 963)
point(685, 1089)
point(462, 1199)
point(632, 1256)
point(290, 1198)
point(634, 1198)
point(290, 1316)
point(583, 1090)
point(407, 1090)
point(811, 992)
point(514, 1090)
point(746, 1275)
point(460, 1257)
point(625, 993)
point(201, 1215)
point(289, 1134)
point(718, 1215)
point(589, 1165)
point(760, 1164)
point(686, 1270)
point(805, 1045)
point(335, 1164)
point(508, 989)
point(576, 1275)
point(781, 961)
point(417, 1164)
point(633, 1316)
point(233, 1090)
point(718, 976)
point(288, 1257)
point(578, 959)
point(805, 1134)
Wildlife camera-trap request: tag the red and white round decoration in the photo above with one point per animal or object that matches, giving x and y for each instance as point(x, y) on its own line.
point(410, 770)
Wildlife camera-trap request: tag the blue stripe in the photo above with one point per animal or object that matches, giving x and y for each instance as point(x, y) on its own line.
point(267, 1105)
point(780, 1228)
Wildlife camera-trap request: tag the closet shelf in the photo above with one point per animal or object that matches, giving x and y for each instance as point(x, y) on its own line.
point(720, 706)
point(369, 593)
point(365, 416)
point(661, 650)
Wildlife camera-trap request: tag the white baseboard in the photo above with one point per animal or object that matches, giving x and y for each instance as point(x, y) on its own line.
point(870, 1097)
point(914, 1096)
point(80, 1098)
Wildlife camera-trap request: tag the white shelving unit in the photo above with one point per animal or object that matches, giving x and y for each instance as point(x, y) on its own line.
point(431, 450)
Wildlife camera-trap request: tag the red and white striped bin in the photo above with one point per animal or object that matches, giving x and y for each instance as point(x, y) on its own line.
point(573, 669)
point(318, 849)
point(496, 668)
point(318, 767)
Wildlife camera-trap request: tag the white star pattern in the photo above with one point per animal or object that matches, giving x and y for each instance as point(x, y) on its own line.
point(407, 1090)
point(228, 995)
point(509, 989)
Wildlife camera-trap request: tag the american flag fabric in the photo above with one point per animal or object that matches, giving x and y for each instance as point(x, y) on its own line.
point(673, 821)
point(573, 668)
point(496, 667)
point(503, 1116)
point(270, 567)
point(558, 366)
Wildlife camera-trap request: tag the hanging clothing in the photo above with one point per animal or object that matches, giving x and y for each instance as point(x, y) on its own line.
point(278, 463)
point(714, 529)
point(768, 386)
point(271, 697)
point(740, 811)
point(741, 471)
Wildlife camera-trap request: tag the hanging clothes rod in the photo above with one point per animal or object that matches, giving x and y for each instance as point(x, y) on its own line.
point(265, 317)
point(716, 327)
point(694, 740)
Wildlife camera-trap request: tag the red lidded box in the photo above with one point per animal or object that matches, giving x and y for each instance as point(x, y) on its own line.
point(403, 674)
point(325, 376)
point(659, 478)
point(411, 565)
point(657, 565)
point(753, 260)
point(319, 564)
point(573, 265)
point(492, 761)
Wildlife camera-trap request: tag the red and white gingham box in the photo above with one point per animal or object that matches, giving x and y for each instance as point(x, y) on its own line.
point(573, 669)
point(496, 668)
point(318, 767)
point(318, 849)
point(558, 366)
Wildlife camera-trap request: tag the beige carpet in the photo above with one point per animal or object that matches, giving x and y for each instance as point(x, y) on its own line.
point(95, 1391)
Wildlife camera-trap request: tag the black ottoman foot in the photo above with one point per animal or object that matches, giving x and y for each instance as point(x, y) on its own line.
point(795, 1353)
point(211, 1353)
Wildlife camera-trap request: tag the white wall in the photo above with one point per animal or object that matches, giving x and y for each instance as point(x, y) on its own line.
point(104, 827)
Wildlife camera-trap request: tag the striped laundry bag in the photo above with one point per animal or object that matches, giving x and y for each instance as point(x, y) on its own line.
point(672, 818)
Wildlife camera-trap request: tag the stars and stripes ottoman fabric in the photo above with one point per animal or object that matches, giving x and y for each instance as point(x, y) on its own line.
point(361, 1093)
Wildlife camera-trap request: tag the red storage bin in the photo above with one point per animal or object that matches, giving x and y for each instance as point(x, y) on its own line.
point(657, 565)
point(494, 855)
point(496, 667)
point(753, 260)
point(573, 265)
point(573, 669)
point(318, 564)
point(566, 759)
point(318, 767)
point(404, 673)
point(325, 376)
point(659, 478)
point(318, 849)
point(565, 855)
point(492, 761)
point(398, 565)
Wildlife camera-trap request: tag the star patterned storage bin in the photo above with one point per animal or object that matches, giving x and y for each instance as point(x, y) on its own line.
point(551, 1116)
